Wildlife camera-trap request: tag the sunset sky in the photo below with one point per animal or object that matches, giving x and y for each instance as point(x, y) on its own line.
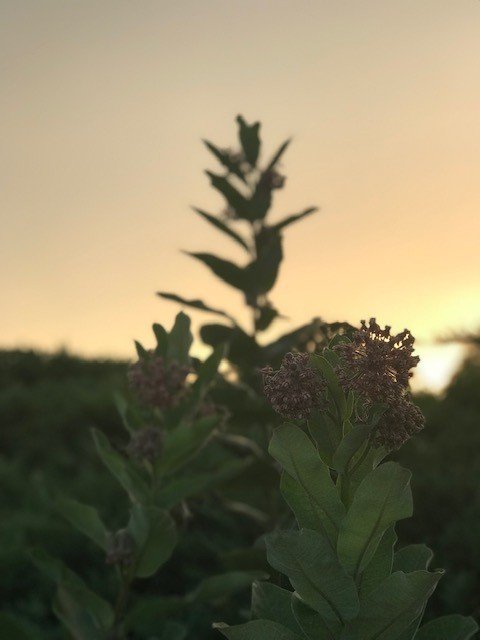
point(103, 104)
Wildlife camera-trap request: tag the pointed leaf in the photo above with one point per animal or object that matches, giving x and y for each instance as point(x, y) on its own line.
point(195, 304)
point(84, 518)
point(380, 566)
point(257, 630)
point(453, 627)
point(310, 622)
point(161, 337)
point(225, 158)
point(222, 226)
point(393, 606)
point(412, 558)
point(350, 444)
point(249, 139)
point(322, 364)
point(180, 339)
point(277, 156)
point(238, 203)
point(270, 602)
point(294, 218)
point(227, 271)
point(314, 571)
point(155, 537)
point(383, 497)
point(298, 456)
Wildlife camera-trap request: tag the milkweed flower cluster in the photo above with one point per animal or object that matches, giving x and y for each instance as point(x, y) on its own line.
point(146, 444)
point(158, 383)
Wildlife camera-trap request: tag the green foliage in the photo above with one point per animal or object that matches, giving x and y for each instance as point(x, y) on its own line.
point(346, 581)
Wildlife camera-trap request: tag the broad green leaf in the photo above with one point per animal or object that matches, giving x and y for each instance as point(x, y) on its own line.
point(195, 304)
point(310, 622)
point(161, 336)
point(314, 571)
point(380, 566)
point(277, 156)
point(249, 139)
point(79, 608)
point(294, 218)
point(298, 456)
point(412, 558)
point(225, 159)
point(263, 271)
point(273, 603)
point(257, 630)
point(223, 585)
point(180, 339)
point(227, 271)
point(84, 518)
point(325, 433)
point(184, 442)
point(325, 368)
point(349, 445)
point(383, 497)
point(155, 538)
point(121, 468)
point(240, 205)
point(391, 608)
point(453, 627)
point(222, 226)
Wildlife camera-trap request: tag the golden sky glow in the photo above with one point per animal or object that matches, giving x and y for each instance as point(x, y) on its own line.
point(102, 107)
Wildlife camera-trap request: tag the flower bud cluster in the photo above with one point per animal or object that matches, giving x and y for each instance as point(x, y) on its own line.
point(120, 548)
point(158, 383)
point(146, 445)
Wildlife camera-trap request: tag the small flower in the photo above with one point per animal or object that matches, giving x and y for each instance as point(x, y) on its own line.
point(157, 383)
point(295, 389)
point(146, 445)
point(120, 548)
point(399, 423)
point(375, 362)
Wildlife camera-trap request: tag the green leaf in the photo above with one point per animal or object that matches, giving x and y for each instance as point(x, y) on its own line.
point(84, 518)
point(180, 340)
point(314, 571)
point(225, 159)
point(243, 350)
point(222, 226)
point(380, 566)
point(391, 608)
point(277, 156)
point(195, 304)
point(263, 271)
point(412, 558)
point(155, 537)
point(298, 456)
point(350, 444)
point(142, 353)
point(227, 271)
point(208, 370)
point(13, 629)
point(222, 586)
point(161, 337)
point(257, 630)
point(310, 622)
point(325, 433)
point(453, 627)
point(184, 442)
point(82, 611)
point(240, 205)
point(249, 139)
point(294, 218)
point(323, 365)
point(123, 410)
point(383, 497)
point(121, 468)
point(264, 316)
point(270, 602)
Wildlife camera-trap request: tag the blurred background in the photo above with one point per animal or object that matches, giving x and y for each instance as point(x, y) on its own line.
point(103, 107)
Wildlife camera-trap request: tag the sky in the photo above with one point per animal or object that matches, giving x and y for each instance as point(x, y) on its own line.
point(103, 105)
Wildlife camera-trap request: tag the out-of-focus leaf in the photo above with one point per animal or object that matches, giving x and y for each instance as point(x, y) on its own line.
point(180, 339)
point(225, 158)
point(227, 271)
point(263, 271)
point(13, 629)
point(311, 564)
point(277, 156)
point(249, 139)
point(257, 630)
point(453, 627)
point(141, 351)
point(243, 350)
point(316, 490)
point(391, 608)
point(294, 218)
point(195, 304)
point(121, 468)
point(264, 316)
point(412, 558)
point(155, 537)
point(238, 203)
point(383, 497)
point(84, 518)
point(174, 631)
point(184, 442)
point(161, 337)
point(219, 224)
point(123, 411)
point(270, 602)
point(208, 370)
point(223, 585)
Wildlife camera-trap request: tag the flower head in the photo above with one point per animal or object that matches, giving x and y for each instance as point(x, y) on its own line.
point(295, 389)
point(146, 444)
point(158, 383)
point(402, 420)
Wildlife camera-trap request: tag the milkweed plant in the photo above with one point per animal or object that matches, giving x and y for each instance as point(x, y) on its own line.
point(339, 574)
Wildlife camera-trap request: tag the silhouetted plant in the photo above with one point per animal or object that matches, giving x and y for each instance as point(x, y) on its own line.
point(349, 581)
